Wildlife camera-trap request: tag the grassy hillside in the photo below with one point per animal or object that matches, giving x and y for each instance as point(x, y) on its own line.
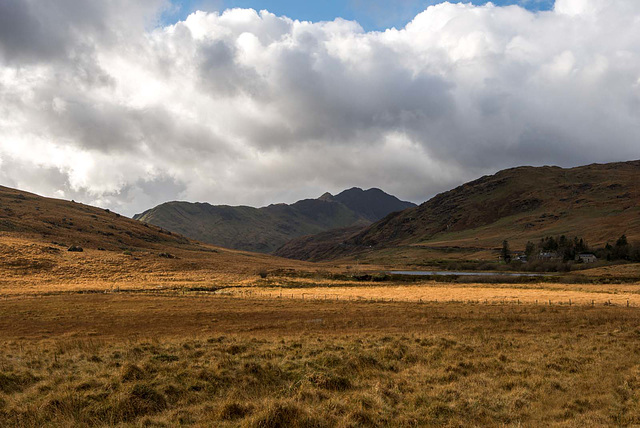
point(597, 202)
point(266, 229)
point(36, 233)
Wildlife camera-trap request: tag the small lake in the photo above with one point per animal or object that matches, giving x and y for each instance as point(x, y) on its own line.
point(455, 273)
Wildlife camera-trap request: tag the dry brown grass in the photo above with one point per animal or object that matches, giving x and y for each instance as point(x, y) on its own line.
point(631, 270)
point(481, 293)
point(127, 337)
point(98, 360)
point(35, 233)
point(33, 266)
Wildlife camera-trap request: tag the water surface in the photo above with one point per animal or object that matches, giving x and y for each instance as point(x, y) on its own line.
point(457, 273)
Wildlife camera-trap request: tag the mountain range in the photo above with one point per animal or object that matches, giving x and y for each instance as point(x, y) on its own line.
point(597, 202)
point(268, 228)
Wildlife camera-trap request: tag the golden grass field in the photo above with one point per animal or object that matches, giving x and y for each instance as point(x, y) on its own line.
point(137, 360)
point(559, 294)
point(147, 328)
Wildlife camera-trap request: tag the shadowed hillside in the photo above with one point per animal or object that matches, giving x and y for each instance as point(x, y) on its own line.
point(599, 202)
point(266, 229)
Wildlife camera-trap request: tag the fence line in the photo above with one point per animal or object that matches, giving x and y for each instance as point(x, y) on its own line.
point(363, 299)
point(257, 295)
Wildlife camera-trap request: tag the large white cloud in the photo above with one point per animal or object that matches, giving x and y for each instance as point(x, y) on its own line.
point(100, 104)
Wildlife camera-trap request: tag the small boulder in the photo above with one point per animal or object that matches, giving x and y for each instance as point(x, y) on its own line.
point(167, 255)
point(75, 249)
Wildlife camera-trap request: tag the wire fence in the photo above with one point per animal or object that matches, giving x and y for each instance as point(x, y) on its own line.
point(284, 294)
point(329, 297)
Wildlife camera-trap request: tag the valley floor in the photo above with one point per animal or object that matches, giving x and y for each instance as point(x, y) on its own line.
point(210, 360)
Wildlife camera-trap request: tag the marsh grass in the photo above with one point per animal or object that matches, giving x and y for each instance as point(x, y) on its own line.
point(451, 365)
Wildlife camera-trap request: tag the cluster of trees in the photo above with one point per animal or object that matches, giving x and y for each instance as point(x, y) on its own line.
point(568, 249)
point(622, 250)
point(565, 248)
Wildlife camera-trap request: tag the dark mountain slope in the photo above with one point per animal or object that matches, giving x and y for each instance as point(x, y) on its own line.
point(599, 202)
point(315, 247)
point(372, 204)
point(248, 228)
point(266, 229)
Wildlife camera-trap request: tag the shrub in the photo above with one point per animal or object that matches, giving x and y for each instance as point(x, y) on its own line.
point(75, 249)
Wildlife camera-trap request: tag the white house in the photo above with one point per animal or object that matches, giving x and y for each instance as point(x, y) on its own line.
point(587, 258)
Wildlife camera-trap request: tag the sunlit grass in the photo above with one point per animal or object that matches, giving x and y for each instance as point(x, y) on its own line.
point(296, 363)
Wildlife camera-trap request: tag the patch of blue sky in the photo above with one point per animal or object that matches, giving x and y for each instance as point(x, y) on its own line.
point(370, 14)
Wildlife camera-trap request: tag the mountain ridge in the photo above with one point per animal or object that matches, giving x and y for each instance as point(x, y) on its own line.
point(267, 228)
point(599, 202)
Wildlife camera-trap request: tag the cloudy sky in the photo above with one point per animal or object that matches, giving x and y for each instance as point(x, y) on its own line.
point(127, 104)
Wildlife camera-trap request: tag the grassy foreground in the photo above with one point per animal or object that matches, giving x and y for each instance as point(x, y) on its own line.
point(215, 361)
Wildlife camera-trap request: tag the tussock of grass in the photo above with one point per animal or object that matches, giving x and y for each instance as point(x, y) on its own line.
point(15, 382)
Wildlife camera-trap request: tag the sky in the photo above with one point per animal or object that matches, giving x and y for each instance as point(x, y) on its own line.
point(126, 105)
point(372, 15)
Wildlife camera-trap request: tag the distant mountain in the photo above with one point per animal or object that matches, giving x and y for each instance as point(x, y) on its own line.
point(266, 229)
point(599, 202)
point(372, 204)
